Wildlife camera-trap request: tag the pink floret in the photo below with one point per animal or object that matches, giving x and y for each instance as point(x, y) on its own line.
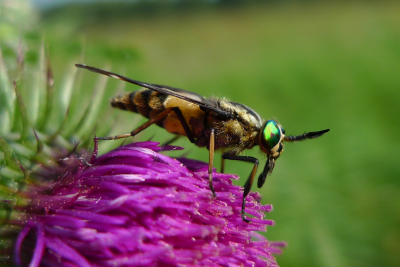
point(136, 207)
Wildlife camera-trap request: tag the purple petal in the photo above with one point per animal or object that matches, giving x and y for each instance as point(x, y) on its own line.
point(66, 252)
point(136, 207)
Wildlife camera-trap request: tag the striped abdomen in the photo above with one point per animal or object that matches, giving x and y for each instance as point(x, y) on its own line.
point(149, 104)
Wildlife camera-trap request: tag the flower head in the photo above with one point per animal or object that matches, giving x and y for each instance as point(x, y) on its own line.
point(136, 207)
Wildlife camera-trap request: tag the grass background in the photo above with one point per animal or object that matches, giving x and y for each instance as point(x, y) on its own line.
point(311, 65)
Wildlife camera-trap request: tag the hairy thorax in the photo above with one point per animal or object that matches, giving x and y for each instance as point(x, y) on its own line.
point(237, 133)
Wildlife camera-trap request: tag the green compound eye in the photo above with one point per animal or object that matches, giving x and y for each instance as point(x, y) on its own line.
point(271, 135)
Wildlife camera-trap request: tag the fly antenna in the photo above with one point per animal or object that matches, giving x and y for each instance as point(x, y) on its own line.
point(309, 135)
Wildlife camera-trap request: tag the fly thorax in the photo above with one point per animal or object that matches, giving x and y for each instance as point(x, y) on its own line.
point(228, 133)
point(248, 117)
point(232, 128)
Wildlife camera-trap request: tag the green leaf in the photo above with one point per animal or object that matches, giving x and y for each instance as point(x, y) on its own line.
point(63, 99)
point(37, 98)
point(24, 115)
point(9, 155)
point(50, 96)
point(39, 143)
point(7, 99)
point(91, 117)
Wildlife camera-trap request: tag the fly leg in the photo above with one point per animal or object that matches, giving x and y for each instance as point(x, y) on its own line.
point(249, 182)
point(153, 120)
point(211, 161)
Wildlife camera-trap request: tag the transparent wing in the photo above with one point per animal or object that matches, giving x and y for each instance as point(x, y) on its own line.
point(176, 92)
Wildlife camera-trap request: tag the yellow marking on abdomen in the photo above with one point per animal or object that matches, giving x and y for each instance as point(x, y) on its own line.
point(189, 110)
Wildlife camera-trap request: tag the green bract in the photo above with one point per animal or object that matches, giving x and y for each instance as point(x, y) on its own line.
point(35, 129)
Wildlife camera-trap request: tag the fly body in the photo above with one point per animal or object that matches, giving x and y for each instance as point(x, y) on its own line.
point(238, 132)
point(215, 123)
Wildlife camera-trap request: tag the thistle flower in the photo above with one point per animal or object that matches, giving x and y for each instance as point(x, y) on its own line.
point(136, 207)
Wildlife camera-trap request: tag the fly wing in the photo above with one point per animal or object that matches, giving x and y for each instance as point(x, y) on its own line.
point(176, 92)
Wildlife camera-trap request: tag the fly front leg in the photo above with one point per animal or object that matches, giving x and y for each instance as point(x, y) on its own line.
point(211, 161)
point(153, 120)
point(249, 181)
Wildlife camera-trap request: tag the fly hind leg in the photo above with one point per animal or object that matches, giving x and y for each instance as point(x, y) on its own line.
point(249, 181)
point(153, 120)
point(211, 161)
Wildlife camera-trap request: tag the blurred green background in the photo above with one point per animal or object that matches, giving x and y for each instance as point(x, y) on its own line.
point(310, 64)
